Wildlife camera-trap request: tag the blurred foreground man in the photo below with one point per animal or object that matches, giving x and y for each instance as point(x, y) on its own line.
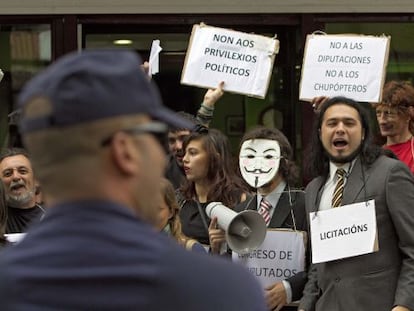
point(91, 123)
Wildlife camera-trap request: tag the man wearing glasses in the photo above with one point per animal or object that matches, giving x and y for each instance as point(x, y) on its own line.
point(395, 115)
point(91, 124)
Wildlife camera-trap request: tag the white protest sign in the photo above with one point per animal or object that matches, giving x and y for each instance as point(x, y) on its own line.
point(154, 58)
point(281, 256)
point(14, 237)
point(353, 66)
point(243, 61)
point(342, 232)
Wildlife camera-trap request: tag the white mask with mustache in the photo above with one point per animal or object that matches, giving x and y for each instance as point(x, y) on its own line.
point(259, 161)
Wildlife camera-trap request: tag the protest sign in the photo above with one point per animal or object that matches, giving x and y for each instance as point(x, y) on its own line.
point(243, 61)
point(14, 238)
point(281, 256)
point(353, 66)
point(154, 59)
point(342, 232)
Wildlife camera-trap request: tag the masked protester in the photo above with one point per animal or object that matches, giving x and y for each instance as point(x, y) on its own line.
point(266, 164)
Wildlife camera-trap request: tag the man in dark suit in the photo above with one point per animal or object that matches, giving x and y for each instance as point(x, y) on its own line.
point(266, 163)
point(381, 280)
point(89, 123)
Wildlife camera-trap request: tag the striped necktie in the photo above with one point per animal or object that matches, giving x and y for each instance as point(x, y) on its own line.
point(339, 188)
point(264, 210)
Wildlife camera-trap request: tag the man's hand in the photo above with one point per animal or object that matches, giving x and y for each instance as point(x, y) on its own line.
point(145, 67)
point(276, 296)
point(317, 102)
point(216, 236)
point(213, 95)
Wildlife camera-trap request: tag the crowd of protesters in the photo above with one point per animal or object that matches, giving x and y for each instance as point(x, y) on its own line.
point(114, 223)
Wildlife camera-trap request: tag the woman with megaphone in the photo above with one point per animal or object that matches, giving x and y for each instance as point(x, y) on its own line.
point(211, 176)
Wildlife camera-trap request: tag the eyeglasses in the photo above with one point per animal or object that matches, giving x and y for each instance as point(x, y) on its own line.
point(387, 113)
point(157, 129)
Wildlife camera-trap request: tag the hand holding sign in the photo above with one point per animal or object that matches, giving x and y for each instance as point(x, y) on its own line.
point(213, 95)
point(317, 102)
point(276, 296)
point(145, 67)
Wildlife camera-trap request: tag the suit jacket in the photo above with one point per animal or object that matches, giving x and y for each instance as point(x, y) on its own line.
point(380, 280)
point(97, 255)
point(282, 218)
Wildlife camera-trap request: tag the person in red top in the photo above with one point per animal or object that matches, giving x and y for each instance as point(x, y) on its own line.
point(395, 115)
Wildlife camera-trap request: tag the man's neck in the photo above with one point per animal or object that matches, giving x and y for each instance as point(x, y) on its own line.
point(202, 190)
point(23, 206)
point(269, 187)
point(398, 139)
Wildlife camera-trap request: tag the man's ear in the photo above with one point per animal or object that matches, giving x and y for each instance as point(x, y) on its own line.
point(124, 154)
point(411, 112)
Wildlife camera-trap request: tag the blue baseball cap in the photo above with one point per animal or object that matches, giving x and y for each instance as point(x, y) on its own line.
point(92, 85)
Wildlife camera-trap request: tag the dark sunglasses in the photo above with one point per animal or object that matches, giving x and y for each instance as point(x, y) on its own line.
point(157, 129)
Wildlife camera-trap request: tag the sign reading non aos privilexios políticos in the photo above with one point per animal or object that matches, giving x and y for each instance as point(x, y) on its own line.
point(353, 66)
point(243, 61)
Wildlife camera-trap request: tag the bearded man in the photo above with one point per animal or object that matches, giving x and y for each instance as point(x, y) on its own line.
point(20, 189)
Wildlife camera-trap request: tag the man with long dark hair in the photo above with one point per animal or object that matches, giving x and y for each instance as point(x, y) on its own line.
point(381, 280)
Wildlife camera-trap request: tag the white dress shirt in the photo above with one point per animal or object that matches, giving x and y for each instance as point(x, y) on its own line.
point(329, 187)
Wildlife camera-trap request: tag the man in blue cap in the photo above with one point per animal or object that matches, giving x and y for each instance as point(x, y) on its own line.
point(91, 123)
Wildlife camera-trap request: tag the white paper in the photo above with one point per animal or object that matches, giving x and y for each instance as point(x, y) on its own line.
point(14, 237)
point(243, 61)
point(154, 59)
point(338, 65)
point(342, 232)
point(281, 256)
